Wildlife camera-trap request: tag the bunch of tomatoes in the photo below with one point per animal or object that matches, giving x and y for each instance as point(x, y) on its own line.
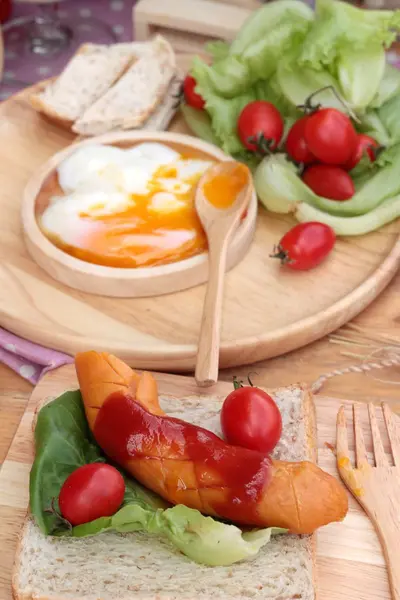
point(249, 417)
point(325, 146)
point(324, 142)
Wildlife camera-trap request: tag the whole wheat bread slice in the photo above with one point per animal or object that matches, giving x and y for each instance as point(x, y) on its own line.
point(136, 566)
point(87, 76)
point(135, 96)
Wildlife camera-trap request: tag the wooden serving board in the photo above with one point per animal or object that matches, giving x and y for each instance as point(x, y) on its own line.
point(349, 557)
point(267, 311)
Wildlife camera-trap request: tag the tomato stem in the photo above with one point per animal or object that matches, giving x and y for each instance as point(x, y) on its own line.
point(308, 107)
point(262, 144)
point(179, 96)
point(248, 378)
point(236, 383)
point(280, 254)
point(61, 521)
point(376, 150)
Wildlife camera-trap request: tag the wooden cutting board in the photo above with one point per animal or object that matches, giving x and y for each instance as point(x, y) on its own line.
point(349, 558)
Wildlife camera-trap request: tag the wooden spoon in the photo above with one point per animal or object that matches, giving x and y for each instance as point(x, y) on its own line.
point(222, 196)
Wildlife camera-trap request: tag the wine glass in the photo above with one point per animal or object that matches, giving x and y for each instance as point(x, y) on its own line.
point(41, 38)
point(46, 33)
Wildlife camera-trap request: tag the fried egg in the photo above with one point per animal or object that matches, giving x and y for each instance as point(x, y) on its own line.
point(127, 207)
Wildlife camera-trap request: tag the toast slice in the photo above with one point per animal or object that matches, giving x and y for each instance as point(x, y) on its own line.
point(87, 76)
point(135, 96)
point(136, 566)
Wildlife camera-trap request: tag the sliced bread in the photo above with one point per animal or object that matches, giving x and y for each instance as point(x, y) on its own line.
point(135, 96)
point(87, 76)
point(139, 566)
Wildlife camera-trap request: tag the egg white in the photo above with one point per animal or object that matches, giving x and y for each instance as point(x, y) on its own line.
point(87, 164)
point(99, 181)
point(64, 217)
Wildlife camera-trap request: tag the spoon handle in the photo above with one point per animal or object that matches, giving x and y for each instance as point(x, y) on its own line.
point(209, 341)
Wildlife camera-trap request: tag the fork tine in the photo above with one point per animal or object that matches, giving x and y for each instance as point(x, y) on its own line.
point(393, 432)
point(361, 453)
point(379, 451)
point(342, 443)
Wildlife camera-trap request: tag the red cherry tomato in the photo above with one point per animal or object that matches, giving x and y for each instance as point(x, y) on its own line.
point(191, 96)
point(260, 124)
point(329, 181)
point(296, 145)
point(92, 491)
point(251, 419)
point(330, 136)
point(306, 245)
point(364, 145)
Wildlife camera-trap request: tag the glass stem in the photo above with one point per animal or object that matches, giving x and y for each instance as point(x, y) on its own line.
point(48, 35)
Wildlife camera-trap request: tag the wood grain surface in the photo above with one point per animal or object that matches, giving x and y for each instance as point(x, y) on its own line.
point(267, 310)
point(350, 561)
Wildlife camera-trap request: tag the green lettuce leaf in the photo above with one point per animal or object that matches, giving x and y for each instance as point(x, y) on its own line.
point(271, 91)
point(217, 49)
point(203, 539)
point(298, 84)
point(389, 114)
point(268, 19)
point(63, 443)
point(278, 185)
point(371, 124)
point(389, 87)
point(339, 27)
point(224, 112)
point(360, 73)
point(264, 38)
point(349, 42)
point(199, 123)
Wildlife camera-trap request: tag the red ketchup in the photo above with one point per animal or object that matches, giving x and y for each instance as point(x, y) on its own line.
point(127, 433)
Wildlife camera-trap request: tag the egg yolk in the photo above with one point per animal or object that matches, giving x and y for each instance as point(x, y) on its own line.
point(222, 190)
point(157, 228)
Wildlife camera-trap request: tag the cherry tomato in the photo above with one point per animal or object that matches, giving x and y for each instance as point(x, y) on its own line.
point(260, 126)
point(364, 145)
point(305, 246)
point(251, 419)
point(296, 145)
point(329, 181)
point(92, 491)
point(191, 96)
point(330, 136)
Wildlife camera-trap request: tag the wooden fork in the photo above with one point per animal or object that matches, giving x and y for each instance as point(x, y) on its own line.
point(376, 488)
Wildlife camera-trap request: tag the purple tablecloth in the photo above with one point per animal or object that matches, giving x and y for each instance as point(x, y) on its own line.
point(114, 15)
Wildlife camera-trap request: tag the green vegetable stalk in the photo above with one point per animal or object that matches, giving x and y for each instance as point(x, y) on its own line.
point(387, 212)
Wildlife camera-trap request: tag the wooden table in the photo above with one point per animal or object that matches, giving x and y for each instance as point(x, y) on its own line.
point(306, 364)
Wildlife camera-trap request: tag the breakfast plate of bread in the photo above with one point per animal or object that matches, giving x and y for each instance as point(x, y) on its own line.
point(109, 88)
point(170, 542)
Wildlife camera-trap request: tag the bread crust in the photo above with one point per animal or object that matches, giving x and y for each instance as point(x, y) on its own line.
point(309, 412)
point(40, 105)
point(87, 126)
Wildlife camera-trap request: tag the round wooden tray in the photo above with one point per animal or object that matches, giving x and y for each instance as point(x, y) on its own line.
point(267, 310)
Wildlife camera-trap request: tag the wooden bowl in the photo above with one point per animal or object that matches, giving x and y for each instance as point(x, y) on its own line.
point(124, 282)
